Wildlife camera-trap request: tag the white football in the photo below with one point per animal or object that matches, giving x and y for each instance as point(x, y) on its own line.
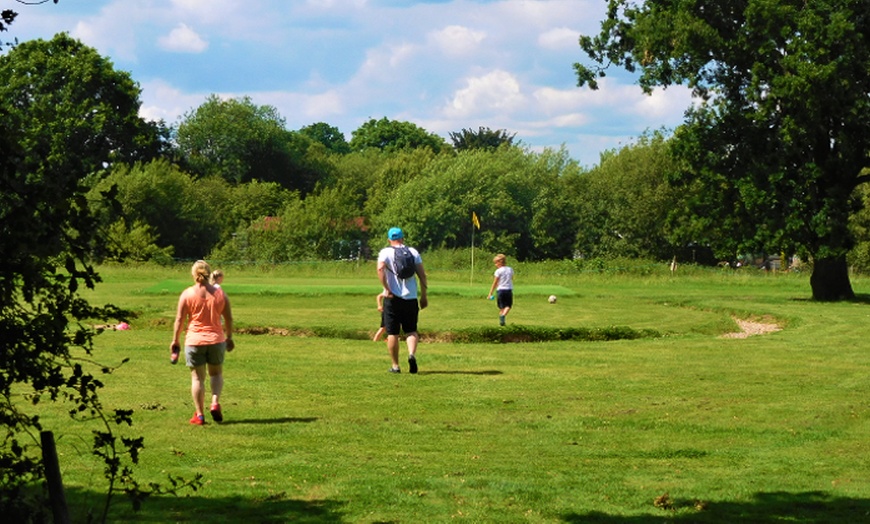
point(552, 299)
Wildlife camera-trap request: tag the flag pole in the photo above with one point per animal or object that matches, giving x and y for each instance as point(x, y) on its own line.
point(475, 223)
point(471, 279)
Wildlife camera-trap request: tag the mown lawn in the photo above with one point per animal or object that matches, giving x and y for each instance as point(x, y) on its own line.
point(684, 427)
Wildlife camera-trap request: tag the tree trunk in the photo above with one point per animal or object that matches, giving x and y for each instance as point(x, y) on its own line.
point(830, 279)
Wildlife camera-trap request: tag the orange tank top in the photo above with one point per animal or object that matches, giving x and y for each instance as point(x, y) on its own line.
point(204, 307)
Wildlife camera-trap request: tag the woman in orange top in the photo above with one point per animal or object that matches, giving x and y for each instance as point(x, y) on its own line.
point(201, 307)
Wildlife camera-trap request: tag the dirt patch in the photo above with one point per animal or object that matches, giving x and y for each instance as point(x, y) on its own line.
point(257, 330)
point(753, 327)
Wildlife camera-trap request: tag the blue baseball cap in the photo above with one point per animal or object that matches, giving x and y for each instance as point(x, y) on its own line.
point(395, 233)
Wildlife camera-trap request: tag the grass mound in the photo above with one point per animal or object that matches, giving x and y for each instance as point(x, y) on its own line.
point(481, 335)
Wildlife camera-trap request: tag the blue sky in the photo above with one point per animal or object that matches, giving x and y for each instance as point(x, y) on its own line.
point(444, 65)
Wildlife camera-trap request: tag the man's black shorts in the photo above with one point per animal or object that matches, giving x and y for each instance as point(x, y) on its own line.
point(400, 315)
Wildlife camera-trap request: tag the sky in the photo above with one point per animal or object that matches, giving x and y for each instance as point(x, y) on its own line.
point(444, 65)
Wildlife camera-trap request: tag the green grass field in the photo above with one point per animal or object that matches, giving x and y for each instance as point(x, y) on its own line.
point(684, 427)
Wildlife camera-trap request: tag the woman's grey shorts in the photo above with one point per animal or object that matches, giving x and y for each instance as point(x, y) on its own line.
point(201, 355)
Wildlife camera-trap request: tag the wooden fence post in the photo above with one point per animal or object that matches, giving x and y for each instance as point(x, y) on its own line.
point(52, 477)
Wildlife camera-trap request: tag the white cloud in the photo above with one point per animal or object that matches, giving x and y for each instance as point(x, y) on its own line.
point(615, 100)
point(302, 109)
point(251, 20)
point(162, 101)
point(664, 103)
point(381, 61)
point(559, 38)
point(551, 100)
point(497, 90)
point(211, 10)
point(183, 39)
point(444, 65)
point(336, 4)
point(112, 30)
point(457, 40)
point(570, 120)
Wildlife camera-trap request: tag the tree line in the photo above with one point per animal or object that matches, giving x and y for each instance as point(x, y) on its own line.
point(229, 181)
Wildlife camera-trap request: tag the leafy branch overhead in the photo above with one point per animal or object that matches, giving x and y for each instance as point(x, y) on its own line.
point(49, 152)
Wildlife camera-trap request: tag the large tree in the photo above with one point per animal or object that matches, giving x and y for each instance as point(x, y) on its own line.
point(65, 114)
point(483, 138)
point(235, 139)
point(241, 141)
point(394, 135)
point(781, 131)
point(330, 136)
point(65, 97)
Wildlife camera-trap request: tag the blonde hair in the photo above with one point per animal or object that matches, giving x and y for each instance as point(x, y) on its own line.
point(499, 259)
point(201, 272)
point(215, 275)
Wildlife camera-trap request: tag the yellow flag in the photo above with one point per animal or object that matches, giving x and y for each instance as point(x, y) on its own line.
point(474, 220)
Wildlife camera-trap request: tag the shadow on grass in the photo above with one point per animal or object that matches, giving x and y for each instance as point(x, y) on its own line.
point(281, 420)
point(484, 372)
point(860, 298)
point(810, 507)
point(274, 508)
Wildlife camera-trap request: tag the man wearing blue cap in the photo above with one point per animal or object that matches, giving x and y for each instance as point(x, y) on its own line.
point(401, 305)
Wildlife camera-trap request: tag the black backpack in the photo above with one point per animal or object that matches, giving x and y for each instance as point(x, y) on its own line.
point(403, 261)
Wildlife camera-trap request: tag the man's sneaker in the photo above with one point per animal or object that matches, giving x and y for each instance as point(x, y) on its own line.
point(198, 419)
point(501, 320)
point(395, 370)
point(216, 413)
point(412, 363)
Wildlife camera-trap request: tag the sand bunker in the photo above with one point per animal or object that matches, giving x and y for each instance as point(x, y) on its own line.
point(749, 328)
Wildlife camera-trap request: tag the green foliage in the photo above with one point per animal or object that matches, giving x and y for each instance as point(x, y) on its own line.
point(240, 142)
point(394, 171)
point(164, 211)
point(325, 226)
point(188, 215)
point(223, 137)
point(515, 194)
point(393, 135)
point(622, 205)
point(330, 136)
point(64, 97)
point(483, 138)
point(859, 225)
point(356, 173)
point(311, 163)
point(136, 243)
point(252, 201)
